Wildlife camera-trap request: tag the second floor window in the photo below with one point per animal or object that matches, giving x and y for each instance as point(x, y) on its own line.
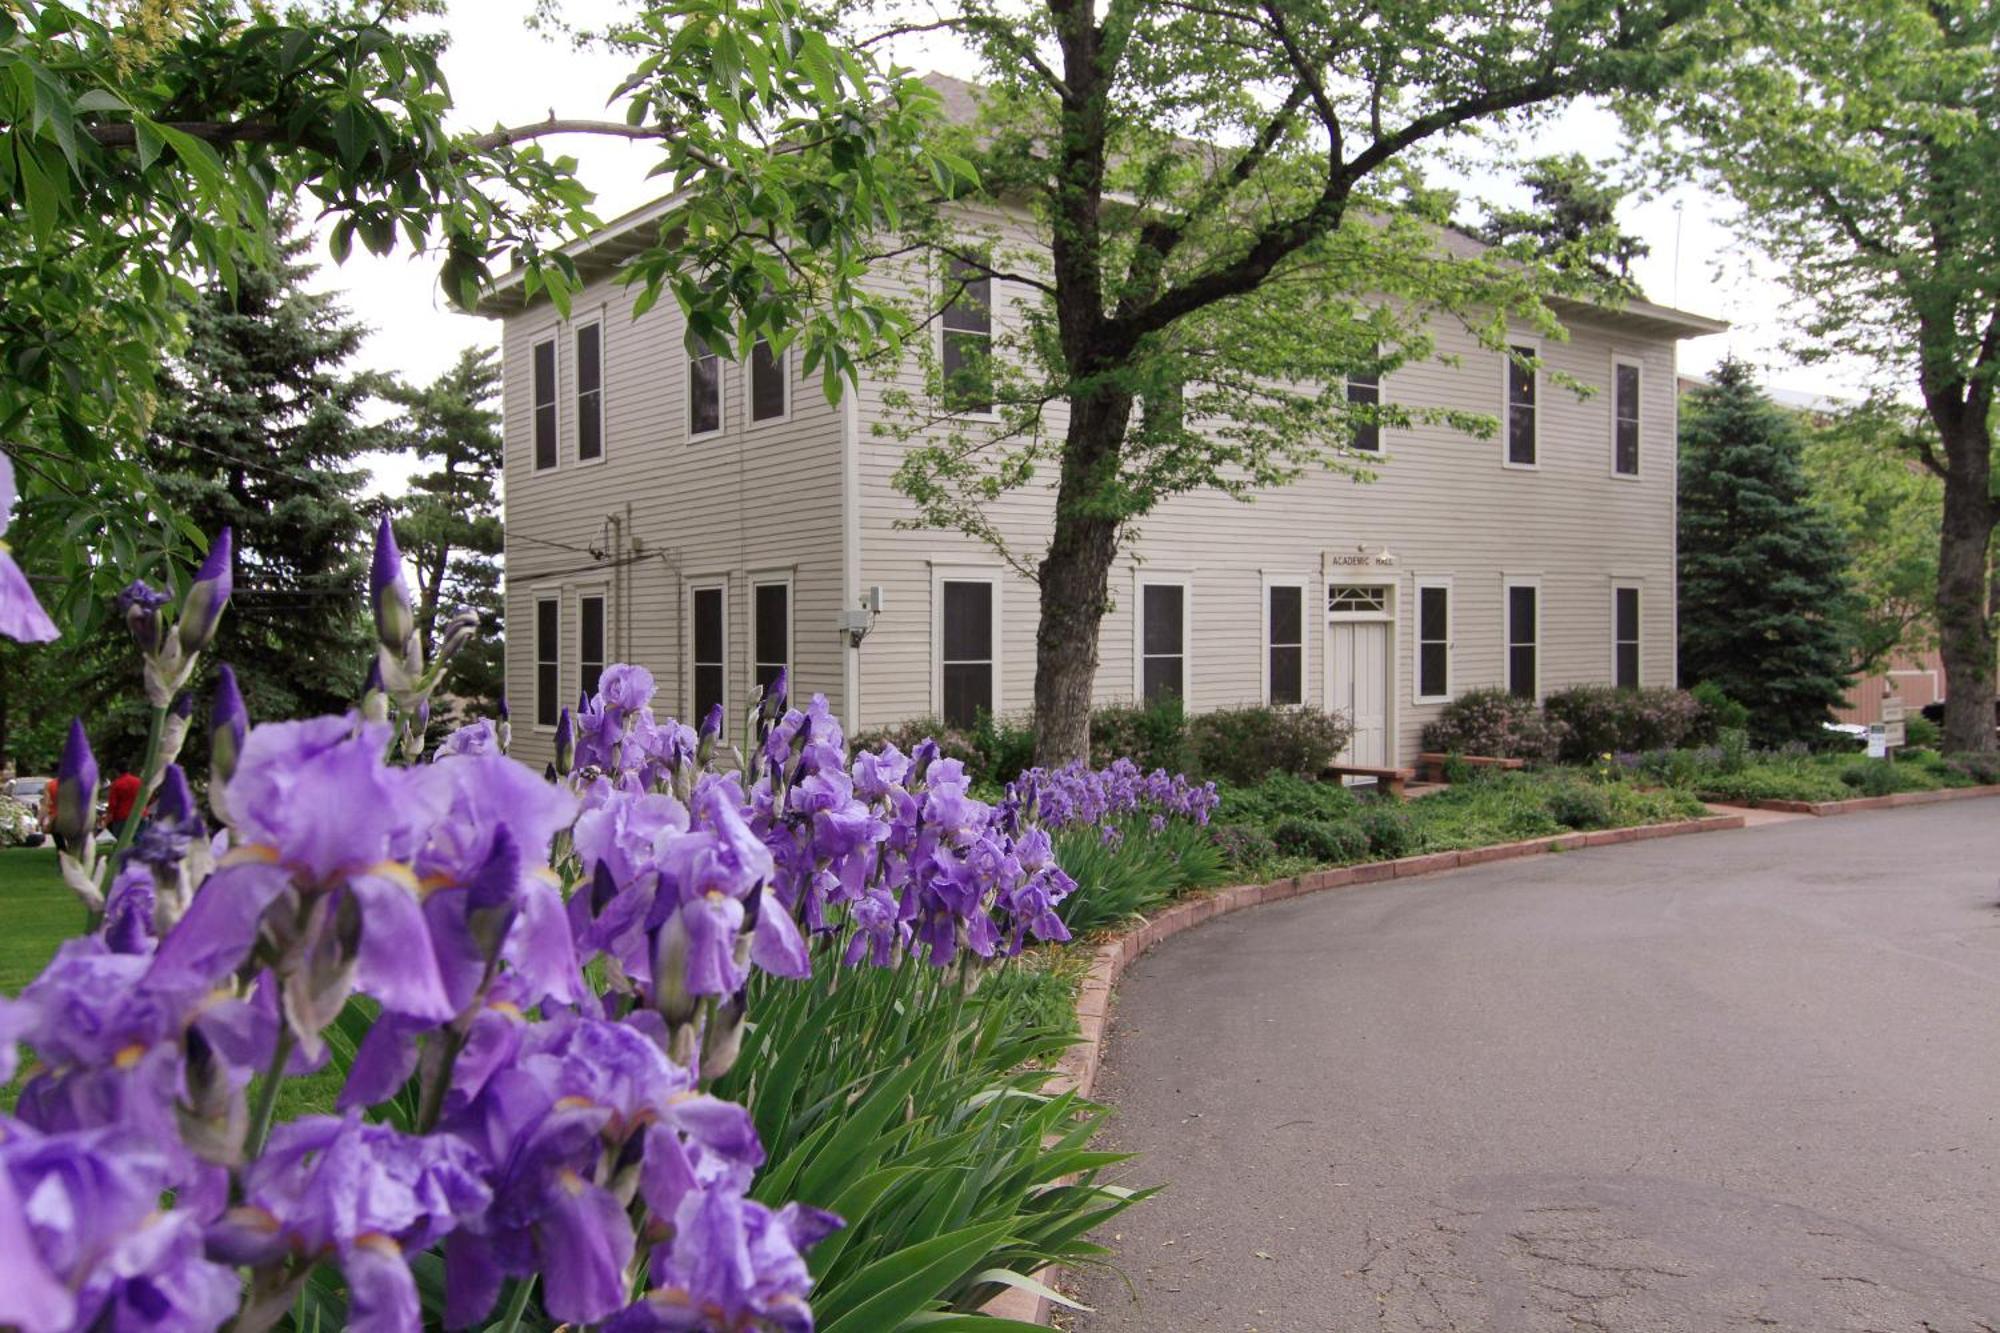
point(704, 387)
point(1625, 419)
point(545, 404)
point(1365, 391)
point(590, 392)
point(768, 390)
point(589, 643)
point(968, 339)
point(1521, 431)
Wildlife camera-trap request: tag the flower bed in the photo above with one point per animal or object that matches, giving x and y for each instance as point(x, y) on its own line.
point(1738, 775)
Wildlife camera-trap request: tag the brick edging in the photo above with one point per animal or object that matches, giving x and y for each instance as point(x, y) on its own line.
point(1892, 802)
point(1077, 1070)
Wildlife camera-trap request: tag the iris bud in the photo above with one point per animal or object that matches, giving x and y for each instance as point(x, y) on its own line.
point(175, 803)
point(228, 724)
point(670, 992)
point(395, 620)
point(724, 1040)
point(374, 697)
point(76, 788)
point(773, 705)
point(213, 582)
point(143, 609)
point(458, 632)
point(565, 743)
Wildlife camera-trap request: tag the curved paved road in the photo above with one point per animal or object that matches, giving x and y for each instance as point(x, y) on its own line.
point(1743, 1080)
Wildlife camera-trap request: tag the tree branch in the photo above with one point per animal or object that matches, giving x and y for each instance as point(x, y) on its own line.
point(986, 27)
point(121, 134)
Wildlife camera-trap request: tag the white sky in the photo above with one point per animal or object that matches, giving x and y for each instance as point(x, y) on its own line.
point(500, 72)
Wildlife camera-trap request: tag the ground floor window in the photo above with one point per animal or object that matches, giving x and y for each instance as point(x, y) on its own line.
point(590, 642)
point(548, 661)
point(771, 626)
point(1523, 639)
point(965, 652)
point(1162, 641)
point(709, 652)
point(1625, 638)
point(1285, 643)
point(1433, 641)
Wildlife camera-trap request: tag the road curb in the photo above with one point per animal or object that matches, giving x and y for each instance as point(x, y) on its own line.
point(1077, 1070)
point(1822, 809)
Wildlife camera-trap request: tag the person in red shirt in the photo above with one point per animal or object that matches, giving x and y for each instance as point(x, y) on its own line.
point(49, 814)
point(124, 794)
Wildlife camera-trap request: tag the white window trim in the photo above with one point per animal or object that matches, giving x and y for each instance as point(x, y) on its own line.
point(1508, 582)
point(1421, 582)
point(1306, 618)
point(703, 583)
point(771, 578)
point(687, 398)
point(576, 394)
point(943, 281)
point(554, 343)
point(1143, 579)
point(535, 700)
point(601, 591)
point(751, 421)
point(942, 574)
point(1507, 403)
point(1619, 585)
point(1611, 414)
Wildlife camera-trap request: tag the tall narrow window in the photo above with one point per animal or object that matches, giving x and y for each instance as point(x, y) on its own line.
point(1365, 391)
point(1433, 641)
point(704, 385)
point(1163, 641)
point(710, 664)
point(968, 339)
point(590, 392)
point(1625, 637)
point(1625, 419)
point(769, 392)
point(1523, 635)
point(1286, 652)
point(771, 624)
point(548, 659)
point(1521, 406)
point(589, 643)
point(545, 404)
point(965, 664)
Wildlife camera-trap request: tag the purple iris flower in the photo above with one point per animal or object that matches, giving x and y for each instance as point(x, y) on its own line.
point(208, 594)
point(142, 605)
point(388, 595)
point(710, 878)
point(21, 616)
point(732, 1264)
point(128, 911)
point(85, 1244)
point(76, 787)
point(479, 738)
point(625, 687)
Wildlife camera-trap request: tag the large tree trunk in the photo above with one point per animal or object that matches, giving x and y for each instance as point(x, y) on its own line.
point(1965, 625)
point(1075, 579)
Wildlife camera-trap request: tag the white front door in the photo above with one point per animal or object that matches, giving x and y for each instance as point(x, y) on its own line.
point(1358, 685)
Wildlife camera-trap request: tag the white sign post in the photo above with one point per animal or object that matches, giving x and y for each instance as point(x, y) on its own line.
point(1878, 740)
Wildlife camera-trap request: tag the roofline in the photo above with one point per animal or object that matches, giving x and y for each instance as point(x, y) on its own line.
point(505, 297)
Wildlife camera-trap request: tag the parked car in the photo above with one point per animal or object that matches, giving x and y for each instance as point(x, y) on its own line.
point(25, 823)
point(29, 792)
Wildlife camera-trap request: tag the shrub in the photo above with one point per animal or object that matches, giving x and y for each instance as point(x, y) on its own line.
point(1981, 770)
point(1592, 720)
point(906, 736)
point(1006, 749)
point(1243, 846)
point(1493, 723)
point(1242, 745)
point(1921, 732)
point(1322, 839)
point(1389, 830)
point(1577, 806)
point(1719, 713)
point(1283, 794)
point(1151, 735)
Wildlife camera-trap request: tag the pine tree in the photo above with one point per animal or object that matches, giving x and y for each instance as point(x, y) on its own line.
point(448, 526)
point(1573, 225)
point(1763, 570)
point(257, 429)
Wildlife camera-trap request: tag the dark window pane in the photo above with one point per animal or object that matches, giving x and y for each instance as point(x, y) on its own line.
point(767, 383)
point(1163, 609)
point(968, 692)
point(968, 378)
point(548, 646)
point(1367, 391)
point(708, 625)
point(968, 622)
point(767, 675)
point(1433, 670)
point(587, 676)
point(589, 391)
point(590, 643)
point(707, 689)
point(545, 404)
point(1520, 615)
point(970, 292)
point(1520, 434)
point(589, 363)
point(1521, 378)
point(1287, 674)
point(1628, 393)
point(1521, 671)
point(1628, 614)
point(773, 624)
point(1628, 666)
point(1162, 678)
point(589, 427)
point(704, 394)
point(1433, 614)
point(548, 685)
point(1287, 614)
point(1628, 447)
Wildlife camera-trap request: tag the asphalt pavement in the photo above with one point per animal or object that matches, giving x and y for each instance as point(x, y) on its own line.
point(1746, 1080)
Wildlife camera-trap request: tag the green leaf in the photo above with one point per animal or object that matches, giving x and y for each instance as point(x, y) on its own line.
point(892, 1289)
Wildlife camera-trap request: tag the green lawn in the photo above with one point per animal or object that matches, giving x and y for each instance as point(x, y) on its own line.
point(37, 913)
